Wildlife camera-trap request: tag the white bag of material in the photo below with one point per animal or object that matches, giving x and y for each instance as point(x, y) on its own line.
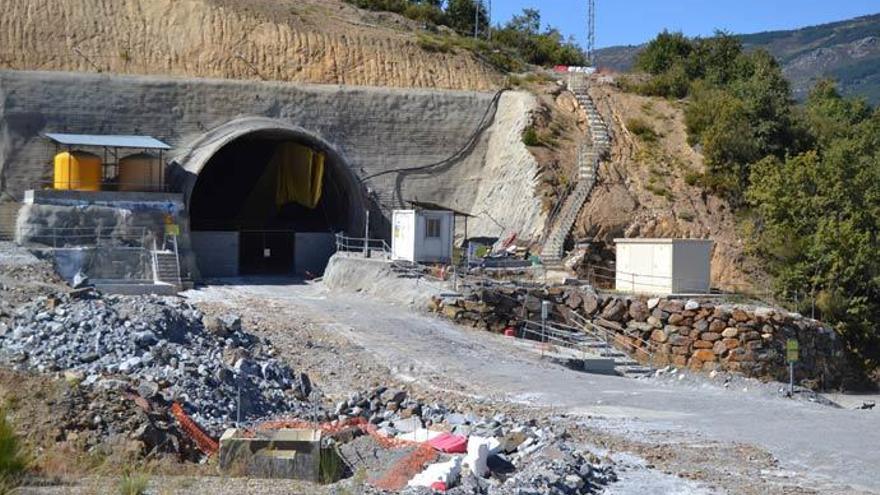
point(478, 451)
point(446, 472)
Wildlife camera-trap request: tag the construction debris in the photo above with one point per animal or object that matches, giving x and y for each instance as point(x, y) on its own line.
point(220, 376)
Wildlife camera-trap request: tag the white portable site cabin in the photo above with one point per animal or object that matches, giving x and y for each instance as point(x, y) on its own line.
point(663, 266)
point(422, 236)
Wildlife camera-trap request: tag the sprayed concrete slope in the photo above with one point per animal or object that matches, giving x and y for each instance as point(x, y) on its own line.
point(373, 130)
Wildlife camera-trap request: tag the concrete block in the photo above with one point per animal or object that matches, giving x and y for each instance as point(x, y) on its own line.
point(281, 454)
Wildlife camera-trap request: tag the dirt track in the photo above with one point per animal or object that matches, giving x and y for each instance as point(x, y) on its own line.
point(741, 441)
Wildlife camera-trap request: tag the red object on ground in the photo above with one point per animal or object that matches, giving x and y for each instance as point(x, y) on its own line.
point(195, 432)
point(449, 443)
point(561, 68)
point(439, 486)
point(509, 332)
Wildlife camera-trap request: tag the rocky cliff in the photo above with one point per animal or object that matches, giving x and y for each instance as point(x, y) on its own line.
point(314, 41)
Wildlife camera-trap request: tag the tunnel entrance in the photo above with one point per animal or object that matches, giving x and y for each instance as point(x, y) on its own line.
point(270, 203)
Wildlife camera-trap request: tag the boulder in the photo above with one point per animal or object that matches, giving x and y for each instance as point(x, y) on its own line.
point(638, 311)
point(659, 336)
point(730, 333)
point(614, 310)
point(591, 303)
point(705, 355)
point(710, 336)
point(574, 300)
point(717, 325)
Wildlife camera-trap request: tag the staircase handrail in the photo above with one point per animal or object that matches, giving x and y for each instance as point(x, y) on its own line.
point(608, 337)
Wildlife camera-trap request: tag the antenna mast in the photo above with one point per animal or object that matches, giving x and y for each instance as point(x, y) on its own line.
point(591, 32)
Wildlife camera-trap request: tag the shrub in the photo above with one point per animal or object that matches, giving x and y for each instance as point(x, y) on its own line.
point(642, 129)
point(693, 178)
point(530, 137)
point(435, 44)
point(13, 458)
point(133, 484)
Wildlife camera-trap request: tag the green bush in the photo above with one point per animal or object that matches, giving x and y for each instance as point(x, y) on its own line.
point(133, 484)
point(642, 129)
point(435, 44)
point(14, 460)
point(530, 137)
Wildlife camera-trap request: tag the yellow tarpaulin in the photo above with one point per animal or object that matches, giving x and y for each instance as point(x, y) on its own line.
point(300, 175)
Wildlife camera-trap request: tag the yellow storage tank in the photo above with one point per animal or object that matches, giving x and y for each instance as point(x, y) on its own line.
point(77, 170)
point(140, 172)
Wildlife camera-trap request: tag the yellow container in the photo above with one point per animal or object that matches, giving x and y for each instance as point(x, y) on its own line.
point(77, 170)
point(140, 172)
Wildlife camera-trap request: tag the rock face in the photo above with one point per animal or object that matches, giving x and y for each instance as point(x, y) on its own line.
point(702, 335)
point(305, 41)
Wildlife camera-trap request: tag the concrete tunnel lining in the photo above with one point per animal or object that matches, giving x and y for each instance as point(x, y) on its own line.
point(191, 162)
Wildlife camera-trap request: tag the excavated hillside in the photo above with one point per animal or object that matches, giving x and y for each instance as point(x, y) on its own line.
point(650, 189)
point(306, 41)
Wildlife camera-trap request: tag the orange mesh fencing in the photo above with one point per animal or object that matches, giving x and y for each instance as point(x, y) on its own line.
point(204, 442)
point(404, 470)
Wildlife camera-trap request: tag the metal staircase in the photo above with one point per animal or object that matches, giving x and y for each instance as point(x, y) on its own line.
point(166, 265)
point(590, 153)
point(600, 339)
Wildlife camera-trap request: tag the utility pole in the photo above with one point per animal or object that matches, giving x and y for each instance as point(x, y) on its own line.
point(489, 34)
point(591, 32)
point(477, 4)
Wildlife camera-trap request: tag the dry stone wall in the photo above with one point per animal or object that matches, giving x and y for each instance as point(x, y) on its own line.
point(703, 335)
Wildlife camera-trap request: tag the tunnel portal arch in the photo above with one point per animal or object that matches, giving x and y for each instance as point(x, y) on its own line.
point(229, 185)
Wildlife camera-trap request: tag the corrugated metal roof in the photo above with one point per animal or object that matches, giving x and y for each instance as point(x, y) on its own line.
point(147, 142)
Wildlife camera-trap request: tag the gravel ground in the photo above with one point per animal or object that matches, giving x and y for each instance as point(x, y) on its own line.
point(740, 440)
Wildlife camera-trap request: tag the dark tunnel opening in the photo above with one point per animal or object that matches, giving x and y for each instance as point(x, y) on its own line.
point(269, 203)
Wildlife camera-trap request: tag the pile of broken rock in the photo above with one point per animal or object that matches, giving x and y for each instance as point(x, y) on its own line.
point(493, 455)
point(162, 347)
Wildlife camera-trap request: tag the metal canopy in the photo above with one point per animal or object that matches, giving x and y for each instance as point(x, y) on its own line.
point(146, 142)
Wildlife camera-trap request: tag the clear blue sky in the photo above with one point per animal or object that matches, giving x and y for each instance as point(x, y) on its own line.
point(629, 22)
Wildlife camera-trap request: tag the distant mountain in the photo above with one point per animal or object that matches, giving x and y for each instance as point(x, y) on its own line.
point(848, 51)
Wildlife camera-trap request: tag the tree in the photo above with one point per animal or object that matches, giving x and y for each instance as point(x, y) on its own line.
point(663, 52)
point(528, 23)
point(460, 16)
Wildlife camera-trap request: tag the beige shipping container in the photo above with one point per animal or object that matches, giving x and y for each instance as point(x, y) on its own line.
point(663, 266)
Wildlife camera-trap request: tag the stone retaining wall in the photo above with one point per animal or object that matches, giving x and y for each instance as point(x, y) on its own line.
point(703, 335)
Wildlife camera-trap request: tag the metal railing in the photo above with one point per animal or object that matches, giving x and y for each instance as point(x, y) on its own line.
point(548, 333)
point(60, 237)
point(365, 246)
point(610, 338)
point(660, 283)
point(105, 185)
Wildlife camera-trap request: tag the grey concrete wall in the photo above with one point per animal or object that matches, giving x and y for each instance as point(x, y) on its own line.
point(216, 253)
point(312, 251)
point(373, 129)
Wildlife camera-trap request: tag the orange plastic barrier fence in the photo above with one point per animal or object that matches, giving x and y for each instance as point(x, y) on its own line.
point(204, 442)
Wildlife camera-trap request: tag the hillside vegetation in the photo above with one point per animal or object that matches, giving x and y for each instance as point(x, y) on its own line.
point(804, 179)
point(847, 51)
point(510, 47)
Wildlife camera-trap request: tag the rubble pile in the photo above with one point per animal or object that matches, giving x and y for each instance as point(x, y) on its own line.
point(162, 346)
point(703, 335)
point(524, 457)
